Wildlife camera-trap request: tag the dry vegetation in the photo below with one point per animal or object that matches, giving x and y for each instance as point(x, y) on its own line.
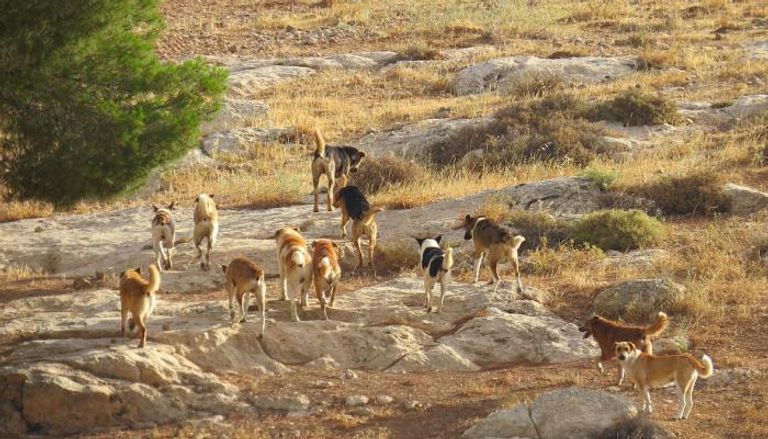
point(686, 51)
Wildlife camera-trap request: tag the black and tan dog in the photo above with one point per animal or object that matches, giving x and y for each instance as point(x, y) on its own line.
point(496, 243)
point(355, 206)
point(336, 163)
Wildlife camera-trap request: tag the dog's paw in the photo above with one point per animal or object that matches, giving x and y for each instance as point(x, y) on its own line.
point(260, 337)
point(242, 320)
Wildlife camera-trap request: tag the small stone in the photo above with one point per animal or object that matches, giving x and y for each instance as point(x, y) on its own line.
point(412, 406)
point(39, 229)
point(356, 400)
point(349, 374)
point(383, 399)
point(322, 384)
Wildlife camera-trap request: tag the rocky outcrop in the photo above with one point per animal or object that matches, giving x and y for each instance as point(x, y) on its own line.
point(573, 413)
point(243, 140)
point(744, 200)
point(249, 82)
point(705, 113)
point(560, 196)
point(638, 300)
point(498, 73)
point(415, 140)
point(233, 114)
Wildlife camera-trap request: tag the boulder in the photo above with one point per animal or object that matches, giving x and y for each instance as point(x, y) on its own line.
point(247, 83)
point(355, 400)
point(509, 338)
point(560, 196)
point(289, 403)
point(744, 200)
point(703, 113)
point(497, 73)
point(638, 300)
point(573, 413)
point(757, 50)
point(243, 140)
point(415, 140)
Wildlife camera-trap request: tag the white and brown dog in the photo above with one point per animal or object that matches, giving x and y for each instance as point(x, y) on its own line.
point(646, 370)
point(295, 264)
point(495, 242)
point(163, 236)
point(206, 217)
point(436, 264)
point(243, 277)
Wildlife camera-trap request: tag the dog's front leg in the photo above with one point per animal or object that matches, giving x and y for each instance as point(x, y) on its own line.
point(294, 311)
point(621, 375)
point(331, 182)
point(123, 320)
point(646, 390)
point(231, 297)
point(316, 191)
point(428, 285)
point(244, 306)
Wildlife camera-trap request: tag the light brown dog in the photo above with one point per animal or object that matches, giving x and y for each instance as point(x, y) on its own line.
point(243, 277)
point(647, 370)
point(137, 296)
point(163, 235)
point(494, 242)
point(326, 272)
point(206, 218)
point(355, 206)
point(607, 332)
point(295, 267)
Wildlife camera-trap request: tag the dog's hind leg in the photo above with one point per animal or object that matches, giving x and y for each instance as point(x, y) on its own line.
point(496, 278)
point(159, 255)
point(371, 248)
point(331, 182)
point(359, 253)
point(344, 221)
point(139, 319)
point(293, 310)
point(231, 298)
point(680, 400)
point(283, 283)
point(244, 305)
point(429, 283)
point(516, 266)
point(443, 280)
point(261, 299)
point(316, 186)
point(333, 294)
point(123, 320)
point(478, 263)
point(323, 303)
point(689, 396)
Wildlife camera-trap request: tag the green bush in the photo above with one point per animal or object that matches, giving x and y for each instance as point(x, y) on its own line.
point(603, 178)
point(696, 194)
point(87, 107)
point(618, 229)
point(634, 108)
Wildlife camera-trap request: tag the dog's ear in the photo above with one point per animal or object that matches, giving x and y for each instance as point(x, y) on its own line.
point(419, 240)
point(468, 218)
point(211, 196)
point(362, 154)
point(314, 243)
point(277, 233)
point(138, 270)
point(155, 208)
point(438, 238)
point(223, 268)
point(197, 199)
point(172, 205)
point(632, 345)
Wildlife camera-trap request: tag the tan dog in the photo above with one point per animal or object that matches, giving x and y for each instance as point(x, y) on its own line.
point(647, 370)
point(335, 162)
point(206, 218)
point(355, 206)
point(495, 242)
point(326, 271)
point(137, 296)
point(244, 277)
point(295, 267)
point(607, 332)
point(163, 236)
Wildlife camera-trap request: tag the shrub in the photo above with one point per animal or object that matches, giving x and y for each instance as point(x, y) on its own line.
point(654, 60)
point(603, 178)
point(395, 257)
point(634, 108)
point(568, 53)
point(618, 229)
point(533, 84)
point(539, 228)
point(375, 175)
point(418, 52)
point(87, 107)
point(695, 194)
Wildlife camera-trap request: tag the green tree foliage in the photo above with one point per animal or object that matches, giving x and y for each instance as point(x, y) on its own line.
point(87, 109)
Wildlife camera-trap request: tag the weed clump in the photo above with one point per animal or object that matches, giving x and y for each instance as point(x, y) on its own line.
point(635, 108)
point(389, 171)
point(618, 230)
point(696, 194)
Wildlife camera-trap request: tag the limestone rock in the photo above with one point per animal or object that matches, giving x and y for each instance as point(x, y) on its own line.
point(745, 200)
point(638, 300)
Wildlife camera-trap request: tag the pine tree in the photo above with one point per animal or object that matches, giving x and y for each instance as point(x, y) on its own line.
point(87, 109)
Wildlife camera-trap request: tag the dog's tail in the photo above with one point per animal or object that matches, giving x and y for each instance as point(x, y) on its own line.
point(319, 143)
point(298, 258)
point(370, 214)
point(662, 321)
point(448, 259)
point(154, 280)
point(516, 241)
point(705, 368)
point(326, 271)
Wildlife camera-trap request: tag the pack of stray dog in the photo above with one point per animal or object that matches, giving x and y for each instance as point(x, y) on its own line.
point(302, 266)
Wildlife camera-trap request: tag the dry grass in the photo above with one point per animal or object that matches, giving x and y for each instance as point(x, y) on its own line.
point(17, 210)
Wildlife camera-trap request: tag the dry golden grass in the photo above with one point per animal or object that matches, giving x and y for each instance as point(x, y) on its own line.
point(16, 210)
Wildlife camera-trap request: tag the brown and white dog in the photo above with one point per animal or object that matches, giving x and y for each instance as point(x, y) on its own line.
point(206, 218)
point(137, 296)
point(355, 206)
point(326, 272)
point(647, 370)
point(608, 332)
point(163, 236)
point(295, 267)
point(494, 242)
point(336, 163)
point(243, 277)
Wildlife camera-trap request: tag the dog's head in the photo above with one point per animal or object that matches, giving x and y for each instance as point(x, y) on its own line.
point(468, 224)
point(586, 328)
point(224, 268)
point(429, 242)
point(355, 158)
point(285, 230)
point(125, 273)
point(170, 207)
point(623, 349)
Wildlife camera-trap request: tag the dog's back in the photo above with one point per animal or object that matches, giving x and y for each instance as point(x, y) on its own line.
point(205, 210)
point(353, 201)
point(608, 332)
point(292, 249)
point(487, 233)
point(435, 260)
point(244, 274)
point(134, 287)
point(325, 265)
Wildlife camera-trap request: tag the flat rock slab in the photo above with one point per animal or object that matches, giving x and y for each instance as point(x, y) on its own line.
point(703, 113)
point(572, 413)
point(499, 73)
point(415, 140)
point(249, 82)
